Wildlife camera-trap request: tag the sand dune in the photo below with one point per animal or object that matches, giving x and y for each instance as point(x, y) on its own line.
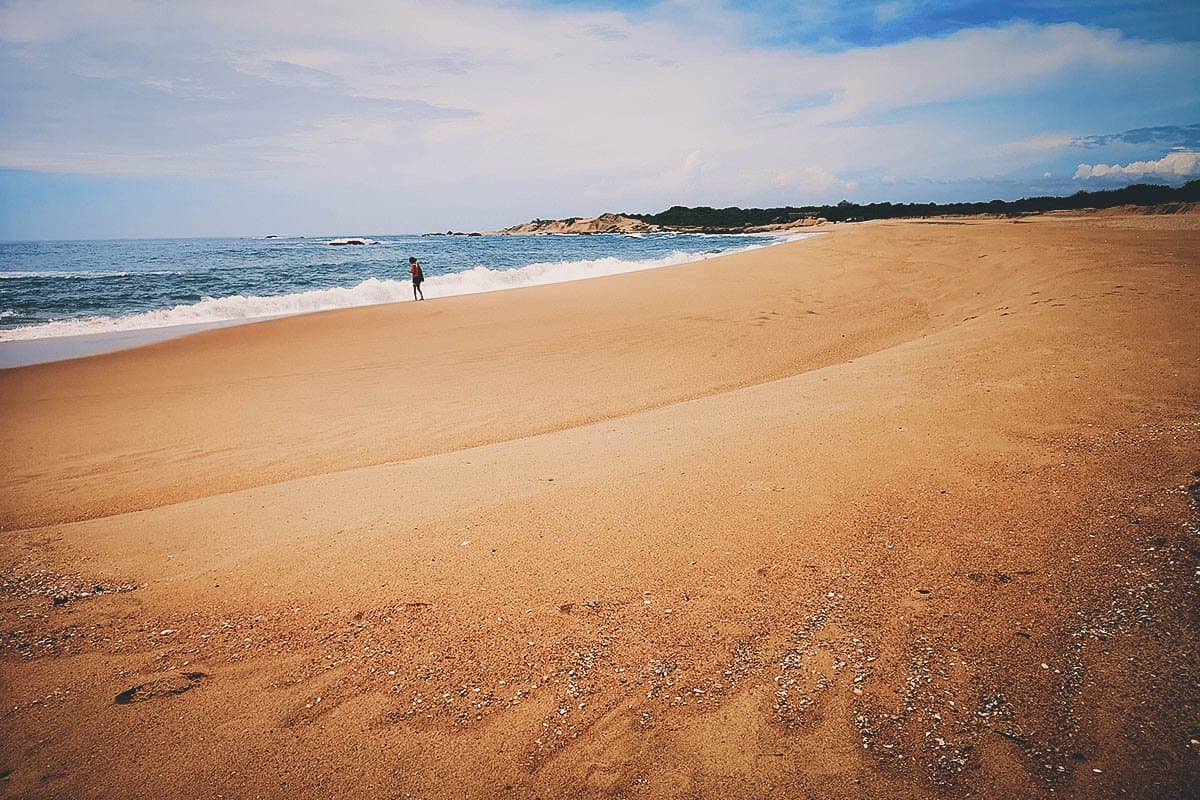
point(897, 511)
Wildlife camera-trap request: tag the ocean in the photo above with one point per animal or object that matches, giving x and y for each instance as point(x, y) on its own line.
point(64, 298)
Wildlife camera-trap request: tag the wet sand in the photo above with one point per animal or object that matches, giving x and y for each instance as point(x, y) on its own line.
point(904, 510)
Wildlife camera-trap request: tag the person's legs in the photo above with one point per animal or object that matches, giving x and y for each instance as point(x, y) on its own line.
point(420, 291)
point(415, 288)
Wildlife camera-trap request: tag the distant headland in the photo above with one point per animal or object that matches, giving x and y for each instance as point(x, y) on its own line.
point(734, 220)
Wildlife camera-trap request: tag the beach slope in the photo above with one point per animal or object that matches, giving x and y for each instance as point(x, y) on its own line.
point(903, 510)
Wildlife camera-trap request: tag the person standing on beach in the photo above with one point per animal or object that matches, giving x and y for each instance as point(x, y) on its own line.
point(414, 269)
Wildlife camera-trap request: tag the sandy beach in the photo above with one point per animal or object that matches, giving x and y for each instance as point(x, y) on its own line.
point(903, 510)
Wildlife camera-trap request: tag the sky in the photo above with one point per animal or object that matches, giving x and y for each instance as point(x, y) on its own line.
point(145, 118)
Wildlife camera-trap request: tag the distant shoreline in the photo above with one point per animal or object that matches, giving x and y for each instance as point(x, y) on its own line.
point(1138, 198)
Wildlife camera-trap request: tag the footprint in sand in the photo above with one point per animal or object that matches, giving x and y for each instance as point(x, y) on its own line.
point(164, 686)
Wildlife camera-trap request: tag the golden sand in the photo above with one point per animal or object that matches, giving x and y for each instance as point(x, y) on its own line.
point(897, 511)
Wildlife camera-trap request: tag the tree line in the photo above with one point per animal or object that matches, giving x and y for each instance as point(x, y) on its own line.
point(707, 218)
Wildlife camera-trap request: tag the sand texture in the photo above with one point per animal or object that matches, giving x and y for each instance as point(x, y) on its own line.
point(903, 510)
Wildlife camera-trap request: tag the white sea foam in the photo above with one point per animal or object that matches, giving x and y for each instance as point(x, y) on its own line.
point(11, 275)
point(352, 241)
point(15, 274)
point(373, 291)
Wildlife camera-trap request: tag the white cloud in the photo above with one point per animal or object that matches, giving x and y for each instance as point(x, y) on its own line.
point(811, 178)
point(1038, 145)
point(578, 106)
point(1180, 163)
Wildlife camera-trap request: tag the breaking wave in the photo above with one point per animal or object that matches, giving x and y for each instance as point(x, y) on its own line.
point(372, 291)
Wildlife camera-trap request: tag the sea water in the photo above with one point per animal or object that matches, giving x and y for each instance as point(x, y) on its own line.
point(66, 298)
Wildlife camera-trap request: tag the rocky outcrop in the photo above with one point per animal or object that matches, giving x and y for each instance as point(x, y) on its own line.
point(619, 223)
point(605, 223)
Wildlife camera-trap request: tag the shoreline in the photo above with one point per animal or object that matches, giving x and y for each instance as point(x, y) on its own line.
point(48, 349)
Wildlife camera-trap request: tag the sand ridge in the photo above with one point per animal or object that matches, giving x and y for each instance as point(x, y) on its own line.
point(665, 534)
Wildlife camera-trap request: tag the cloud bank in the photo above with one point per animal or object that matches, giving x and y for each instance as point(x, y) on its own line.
point(1179, 164)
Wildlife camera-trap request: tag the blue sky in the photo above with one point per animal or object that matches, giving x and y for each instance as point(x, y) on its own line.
point(139, 118)
point(833, 25)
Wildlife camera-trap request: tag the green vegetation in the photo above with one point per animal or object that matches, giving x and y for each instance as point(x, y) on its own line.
point(725, 219)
